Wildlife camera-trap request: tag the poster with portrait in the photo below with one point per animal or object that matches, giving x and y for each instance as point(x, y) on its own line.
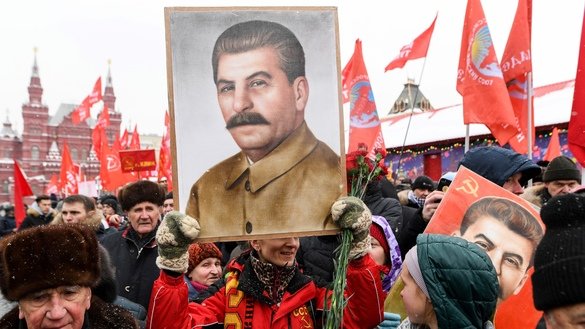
point(507, 227)
point(254, 97)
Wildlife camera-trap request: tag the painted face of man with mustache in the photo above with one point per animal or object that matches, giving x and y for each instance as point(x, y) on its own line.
point(260, 106)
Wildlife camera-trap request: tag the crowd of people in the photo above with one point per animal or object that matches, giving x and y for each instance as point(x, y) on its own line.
point(133, 261)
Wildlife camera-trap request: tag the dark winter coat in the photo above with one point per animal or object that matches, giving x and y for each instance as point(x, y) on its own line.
point(242, 301)
point(7, 225)
point(386, 207)
point(315, 257)
point(413, 224)
point(99, 315)
point(35, 218)
point(135, 262)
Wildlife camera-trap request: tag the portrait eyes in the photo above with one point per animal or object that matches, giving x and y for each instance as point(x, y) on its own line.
point(484, 245)
point(226, 88)
point(258, 83)
point(513, 262)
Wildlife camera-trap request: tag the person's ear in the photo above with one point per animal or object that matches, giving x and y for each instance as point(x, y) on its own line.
point(20, 313)
point(521, 284)
point(301, 90)
point(255, 245)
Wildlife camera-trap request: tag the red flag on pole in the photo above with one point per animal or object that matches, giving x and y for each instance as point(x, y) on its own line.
point(124, 140)
point(164, 158)
point(81, 113)
point(364, 125)
point(516, 64)
point(21, 189)
point(68, 175)
point(98, 139)
point(480, 80)
point(111, 169)
point(104, 118)
point(416, 49)
point(135, 140)
point(575, 135)
point(96, 93)
point(554, 146)
point(52, 186)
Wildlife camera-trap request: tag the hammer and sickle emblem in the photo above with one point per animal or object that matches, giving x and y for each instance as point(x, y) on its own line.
point(469, 186)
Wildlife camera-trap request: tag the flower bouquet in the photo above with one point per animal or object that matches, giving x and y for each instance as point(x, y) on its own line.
point(361, 170)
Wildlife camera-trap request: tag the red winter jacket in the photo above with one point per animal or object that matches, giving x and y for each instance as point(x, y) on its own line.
point(240, 303)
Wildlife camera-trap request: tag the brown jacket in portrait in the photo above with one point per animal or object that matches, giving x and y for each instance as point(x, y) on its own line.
point(290, 190)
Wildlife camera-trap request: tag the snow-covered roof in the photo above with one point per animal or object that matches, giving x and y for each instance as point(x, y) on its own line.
point(552, 105)
point(63, 110)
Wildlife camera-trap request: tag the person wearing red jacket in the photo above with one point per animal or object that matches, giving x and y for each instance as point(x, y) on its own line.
point(264, 288)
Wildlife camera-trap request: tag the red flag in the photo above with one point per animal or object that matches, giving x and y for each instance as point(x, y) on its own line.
point(111, 169)
point(135, 140)
point(96, 93)
point(364, 125)
point(124, 140)
point(68, 175)
point(416, 49)
point(554, 146)
point(104, 118)
point(480, 80)
point(164, 158)
point(81, 113)
point(516, 64)
point(575, 135)
point(98, 139)
point(52, 186)
point(21, 189)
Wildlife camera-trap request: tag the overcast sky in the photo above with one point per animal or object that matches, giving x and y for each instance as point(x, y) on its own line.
point(75, 40)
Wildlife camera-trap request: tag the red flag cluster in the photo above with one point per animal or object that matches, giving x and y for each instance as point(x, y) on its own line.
point(165, 167)
point(69, 175)
point(575, 136)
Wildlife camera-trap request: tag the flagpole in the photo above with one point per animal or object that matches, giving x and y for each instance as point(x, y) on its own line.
point(411, 114)
point(466, 138)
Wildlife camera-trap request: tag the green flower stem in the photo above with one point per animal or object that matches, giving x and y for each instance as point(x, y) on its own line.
point(335, 316)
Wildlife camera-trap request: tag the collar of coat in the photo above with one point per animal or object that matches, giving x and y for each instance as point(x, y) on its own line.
point(251, 285)
point(285, 156)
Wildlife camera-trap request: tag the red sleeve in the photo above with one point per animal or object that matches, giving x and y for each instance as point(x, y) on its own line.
point(169, 306)
point(365, 308)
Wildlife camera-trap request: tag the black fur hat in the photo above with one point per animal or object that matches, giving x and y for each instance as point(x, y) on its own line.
point(141, 191)
point(46, 257)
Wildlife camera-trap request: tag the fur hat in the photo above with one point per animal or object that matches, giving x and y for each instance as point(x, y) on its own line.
point(424, 183)
point(559, 261)
point(200, 251)
point(561, 168)
point(141, 191)
point(46, 257)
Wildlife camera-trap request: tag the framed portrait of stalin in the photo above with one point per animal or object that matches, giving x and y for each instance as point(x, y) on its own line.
point(254, 96)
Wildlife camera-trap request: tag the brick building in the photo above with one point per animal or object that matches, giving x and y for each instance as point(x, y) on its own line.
point(38, 149)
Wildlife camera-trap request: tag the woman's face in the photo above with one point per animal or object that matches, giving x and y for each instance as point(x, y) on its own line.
point(377, 252)
point(206, 272)
point(416, 303)
point(279, 252)
point(108, 210)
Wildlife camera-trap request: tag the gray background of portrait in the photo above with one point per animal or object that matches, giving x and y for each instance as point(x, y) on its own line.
point(201, 139)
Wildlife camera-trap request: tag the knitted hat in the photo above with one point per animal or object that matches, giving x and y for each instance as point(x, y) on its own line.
point(141, 191)
point(111, 201)
point(561, 168)
point(377, 233)
point(46, 257)
point(200, 251)
point(559, 261)
point(423, 183)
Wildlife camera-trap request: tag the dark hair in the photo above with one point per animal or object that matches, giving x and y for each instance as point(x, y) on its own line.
point(251, 35)
point(169, 195)
point(42, 197)
point(516, 218)
point(88, 203)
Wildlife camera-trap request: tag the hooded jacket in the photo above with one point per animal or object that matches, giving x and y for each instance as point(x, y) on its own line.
point(461, 281)
point(35, 217)
point(497, 164)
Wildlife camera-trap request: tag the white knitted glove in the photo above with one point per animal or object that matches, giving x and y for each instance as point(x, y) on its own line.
point(176, 232)
point(351, 213)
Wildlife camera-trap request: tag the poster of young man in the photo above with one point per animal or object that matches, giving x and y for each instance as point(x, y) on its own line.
point(507, 227)
point(254, 97)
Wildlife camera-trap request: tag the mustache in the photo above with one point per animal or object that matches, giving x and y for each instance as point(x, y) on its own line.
point(246, 118)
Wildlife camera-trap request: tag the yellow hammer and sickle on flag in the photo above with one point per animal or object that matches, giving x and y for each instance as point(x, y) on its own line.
point(469, 186)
